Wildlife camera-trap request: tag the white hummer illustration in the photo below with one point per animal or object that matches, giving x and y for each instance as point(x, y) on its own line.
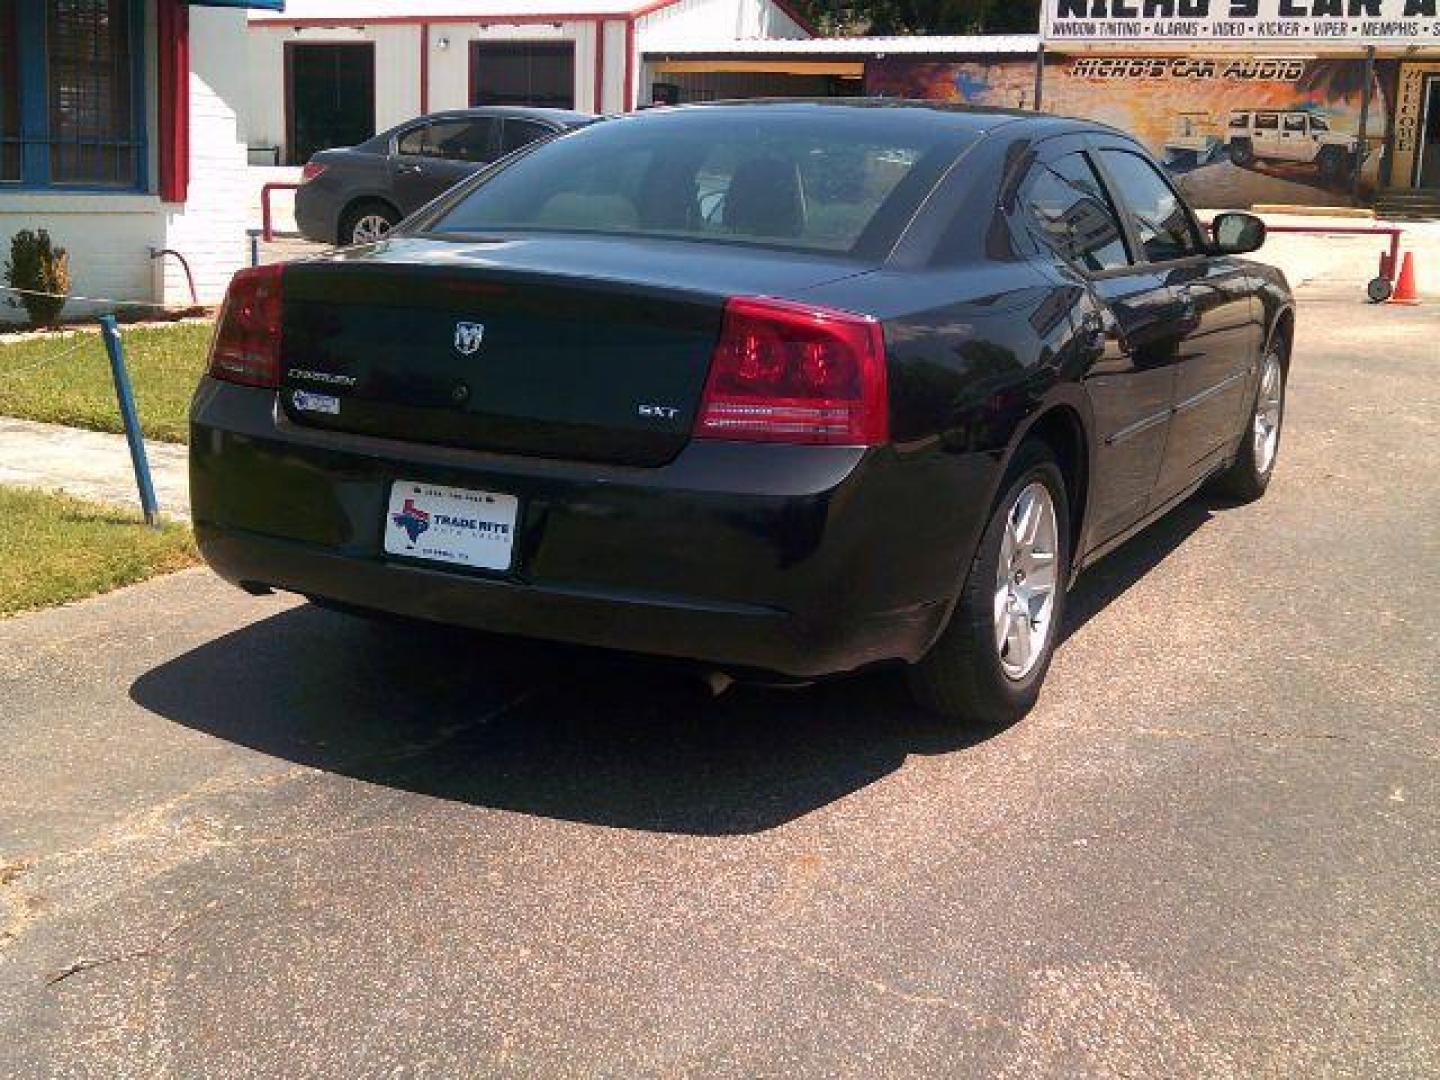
point(1279, 135)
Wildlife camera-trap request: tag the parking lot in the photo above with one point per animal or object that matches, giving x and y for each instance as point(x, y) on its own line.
point(245, 836)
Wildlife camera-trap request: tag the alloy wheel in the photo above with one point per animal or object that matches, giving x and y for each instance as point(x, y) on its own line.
point(1025, 581)
point(1269, 406)
point(369, 228)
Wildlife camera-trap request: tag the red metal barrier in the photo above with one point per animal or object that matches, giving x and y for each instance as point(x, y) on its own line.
point(266, 231)
point(1379, 287)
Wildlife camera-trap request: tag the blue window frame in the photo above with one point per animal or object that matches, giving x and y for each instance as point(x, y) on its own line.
point(72, 94)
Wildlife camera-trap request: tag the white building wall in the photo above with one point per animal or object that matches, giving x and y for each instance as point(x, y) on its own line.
point(714, 20)
point(707, 20)
point(110, 237)
point(615, 67)
point(208, 229)
point(397, 75)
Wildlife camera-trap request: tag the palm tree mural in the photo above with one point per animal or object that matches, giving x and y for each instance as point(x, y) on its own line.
point(1329, 82)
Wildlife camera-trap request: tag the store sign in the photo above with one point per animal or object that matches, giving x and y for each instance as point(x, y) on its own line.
point(1243, 22)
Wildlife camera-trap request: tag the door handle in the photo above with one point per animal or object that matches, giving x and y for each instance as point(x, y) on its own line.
point(408, 170)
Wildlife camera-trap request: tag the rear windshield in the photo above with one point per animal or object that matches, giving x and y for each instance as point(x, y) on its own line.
point(829, 180)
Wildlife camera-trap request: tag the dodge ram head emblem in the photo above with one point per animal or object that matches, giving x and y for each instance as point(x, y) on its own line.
point(468, 336)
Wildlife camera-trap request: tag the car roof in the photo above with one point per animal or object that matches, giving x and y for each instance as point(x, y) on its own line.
point(519, 112)
point(560, 117)
point(973, 119)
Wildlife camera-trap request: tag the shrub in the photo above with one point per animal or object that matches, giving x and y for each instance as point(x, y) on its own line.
point(36, 264)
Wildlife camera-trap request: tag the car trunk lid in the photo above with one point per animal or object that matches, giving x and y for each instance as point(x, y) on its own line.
point(585, 350)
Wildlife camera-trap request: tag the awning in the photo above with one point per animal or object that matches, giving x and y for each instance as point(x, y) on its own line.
point(268, 5)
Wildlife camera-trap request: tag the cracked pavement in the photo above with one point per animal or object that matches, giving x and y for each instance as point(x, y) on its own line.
point(244, 836)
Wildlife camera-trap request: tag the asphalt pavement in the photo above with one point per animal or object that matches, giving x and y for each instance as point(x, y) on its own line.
point(243, 836)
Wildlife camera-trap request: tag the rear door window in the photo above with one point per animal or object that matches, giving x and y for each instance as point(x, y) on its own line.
point(1266, 122)
point(463, 140)
point(1161, 221)
point(412, 143)
point(470, 140)
point(1066, 209)
point(1295, 123)
point(520, 133)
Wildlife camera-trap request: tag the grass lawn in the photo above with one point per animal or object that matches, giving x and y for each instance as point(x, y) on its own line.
point(165, 363)
point(55, 548)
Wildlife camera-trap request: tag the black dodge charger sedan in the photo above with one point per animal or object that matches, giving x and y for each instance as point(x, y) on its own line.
point(782, 388)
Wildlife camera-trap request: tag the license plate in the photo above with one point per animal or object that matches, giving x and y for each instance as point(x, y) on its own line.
point(451, 525)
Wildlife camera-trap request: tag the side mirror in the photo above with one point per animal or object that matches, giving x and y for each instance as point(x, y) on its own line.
point(1236, 234)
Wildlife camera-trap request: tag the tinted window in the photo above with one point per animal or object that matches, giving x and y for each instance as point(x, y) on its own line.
point(455, 140)
point(1067, 209)
point(1319, 124)
point(520, 133)
point(1266, 121)
point(807, 181)
point(1240, 120)
point(1294, 123)
point(1159, 217)
point(412, 142)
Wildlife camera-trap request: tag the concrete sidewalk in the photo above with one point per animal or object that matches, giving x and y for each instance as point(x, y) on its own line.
point(90, 464)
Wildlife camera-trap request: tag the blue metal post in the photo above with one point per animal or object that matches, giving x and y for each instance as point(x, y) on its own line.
point(126, 398)
point(254, 235)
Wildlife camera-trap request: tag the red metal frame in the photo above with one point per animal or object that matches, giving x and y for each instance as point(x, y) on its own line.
point(599, 105)
point(424, 68)
point(1389, 261)
point(637, 12)
point(628, 101)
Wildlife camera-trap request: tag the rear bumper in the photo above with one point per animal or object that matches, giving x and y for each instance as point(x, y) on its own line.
point(316, 214)
point(800, 560)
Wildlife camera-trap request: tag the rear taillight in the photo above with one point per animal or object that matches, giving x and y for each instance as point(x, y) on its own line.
point(246, 347)
point(787, 372)
point(313, 170)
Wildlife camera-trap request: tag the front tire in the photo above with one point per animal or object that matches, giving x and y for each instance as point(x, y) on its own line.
point(1242, 153)
point(1247, 479)
point(988, 664)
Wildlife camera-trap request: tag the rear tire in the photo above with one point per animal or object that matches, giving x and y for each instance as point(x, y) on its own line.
point(981, 671)
point(367, 222)
point(1246, 480)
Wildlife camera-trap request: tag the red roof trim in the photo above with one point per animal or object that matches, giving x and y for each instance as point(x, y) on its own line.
point(278, 19)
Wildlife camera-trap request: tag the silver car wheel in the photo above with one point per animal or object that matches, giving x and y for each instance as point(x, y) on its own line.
point(369, 228)
point(1025, 581)
point(1269, 407)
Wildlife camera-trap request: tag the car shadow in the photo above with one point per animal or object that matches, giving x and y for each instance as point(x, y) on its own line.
point(1114, 575)
point(567, 733)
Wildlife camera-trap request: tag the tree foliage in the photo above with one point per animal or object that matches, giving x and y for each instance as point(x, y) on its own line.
point(880, 17)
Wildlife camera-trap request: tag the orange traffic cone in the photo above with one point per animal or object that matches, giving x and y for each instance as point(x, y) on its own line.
point(1405, 284)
